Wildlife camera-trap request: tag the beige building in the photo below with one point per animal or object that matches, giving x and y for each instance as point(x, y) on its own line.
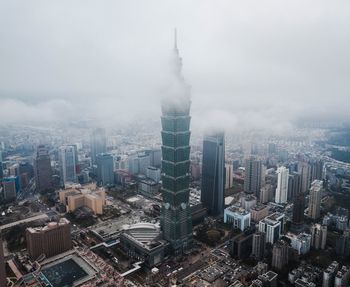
point(77, 196)
point(315, 199)
point(52, 239)
point(259, 212)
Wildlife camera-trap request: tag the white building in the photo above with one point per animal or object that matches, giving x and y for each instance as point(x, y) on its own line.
point(229, 175)
point(153, 173)
point(301, 242)
point(282, 185)
point(272, 226)
point(239, 217)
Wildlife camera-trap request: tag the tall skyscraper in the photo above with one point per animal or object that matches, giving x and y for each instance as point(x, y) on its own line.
point(176, 218)
point(259, 242)
point(98, 142)
point(105, 170)
point(294, 185)
point(305, 170)
point(316, 169)
point(213, 173)
point(42, 169)
point(229, 175)
point(282, 185)
point(280, 254)
point(315, 199)
point(3, 281)
point(298, 208)
point(67, 159)
point(253, 176)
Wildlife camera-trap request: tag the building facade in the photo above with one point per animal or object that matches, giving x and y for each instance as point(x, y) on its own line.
point(253, 176)
point(281, 194)
point(42, 169)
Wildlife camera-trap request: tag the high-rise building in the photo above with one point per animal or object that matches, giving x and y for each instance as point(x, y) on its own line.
point(298, 208)
point(241, 245)
point(67, 159)
point(294, 185)
point(238, 217)
point(3, 280)
point(105, 169)
point(282, 185)
point(280, 254)
point(50, 240)
point(98, 142)
point(259, 242)
point(316, 169)
point(266, 193)
point(253, 176)
point(176, 218)
point(229, 175)
point(329, 274)
point(318, 236)
point(213, 176)
point(272, 226)
point(305, 170)
point(42, 169)
point(315, 199)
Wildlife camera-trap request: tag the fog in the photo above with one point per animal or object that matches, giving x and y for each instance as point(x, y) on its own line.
point(262, 65)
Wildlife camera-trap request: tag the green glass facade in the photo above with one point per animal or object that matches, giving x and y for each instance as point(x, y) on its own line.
point(176, 220)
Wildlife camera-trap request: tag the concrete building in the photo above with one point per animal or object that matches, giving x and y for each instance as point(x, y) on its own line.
point(318, 236)
point(259, 243)
point(213, 173)
point(281, 194)
point(259, 212)
point(304, 169)
point(148, 187)
point(272, 226)
point(105, 169)
point(153, 173)
point(238, 217)
point(298, 209)
point(3, 280)
point(329, 274)
point(229, 175)
point(315, 199)
point(241, 245)
point(301, 242)
point(9, 188)
point(342, 277)
point(50, 240)
point(280, 255)
point(248, 201)
point(68, 162)
point(79, 196)
point(294, 185)
point(266, 193)
point(42, 169)
point(253, 176)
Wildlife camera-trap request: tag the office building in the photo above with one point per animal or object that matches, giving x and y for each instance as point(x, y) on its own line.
point(238, 217)
point(318, 236)
point(259, 212)
point(241, 245)
point(300, 242)
point(248, 201)
point(315, 199)
point(329, 274)
point(266, 193)
point(316, 169)
point(298, 209)
point(342, 277)
point(253, 176)
point(304, 169)
point(3, 280)
point(42, 169)
point(229, 175)
point(213, 174)
point(176, 221)
point(68, 162)
point(259, 243)
point(282, 185)
point(280, 255)
point(9, 188)
point(78, 196)
point(50, 240)
point(272, 226)
point(294, 185)
point(342, 247)
point(153, 173)
point(98, 142)
point(105, 169)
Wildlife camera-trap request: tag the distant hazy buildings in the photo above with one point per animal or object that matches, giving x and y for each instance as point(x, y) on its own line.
point(42, 169)
point(98, 142)
point(50, 240)
point(253, 176)
point(176, 221)
point(213, 173)
point(282, 185)
point(304, 169)
point(68, 161)
point(229, 175)
point(105, 169)
point(315, 199)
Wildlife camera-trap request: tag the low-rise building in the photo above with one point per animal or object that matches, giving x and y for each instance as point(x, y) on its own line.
point(238, 217)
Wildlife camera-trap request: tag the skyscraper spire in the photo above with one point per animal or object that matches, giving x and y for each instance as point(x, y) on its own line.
point(175, 39)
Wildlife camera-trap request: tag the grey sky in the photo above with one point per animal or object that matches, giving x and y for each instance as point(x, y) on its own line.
point(251, 64)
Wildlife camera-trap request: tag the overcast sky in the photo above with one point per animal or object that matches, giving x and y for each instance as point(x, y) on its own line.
point(251, 64)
